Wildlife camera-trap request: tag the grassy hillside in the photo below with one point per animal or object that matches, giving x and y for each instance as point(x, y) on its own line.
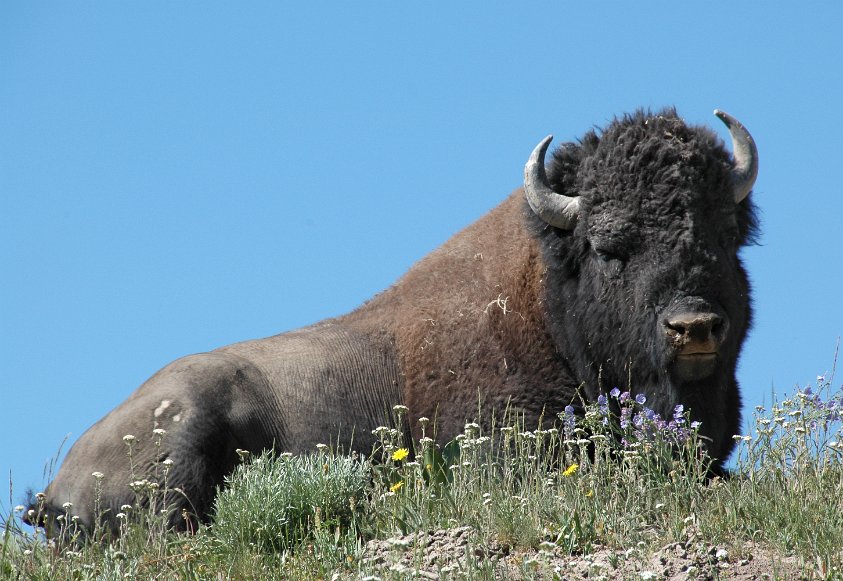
point(616, 493)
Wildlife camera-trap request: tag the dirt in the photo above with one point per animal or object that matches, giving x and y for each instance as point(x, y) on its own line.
point(460, 553)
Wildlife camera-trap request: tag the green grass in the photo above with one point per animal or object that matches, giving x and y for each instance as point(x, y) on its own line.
point(574, 484)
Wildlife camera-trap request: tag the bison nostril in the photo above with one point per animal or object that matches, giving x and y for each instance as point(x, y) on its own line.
point(675, 329)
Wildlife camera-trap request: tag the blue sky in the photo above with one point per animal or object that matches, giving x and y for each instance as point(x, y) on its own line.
point(179, 176)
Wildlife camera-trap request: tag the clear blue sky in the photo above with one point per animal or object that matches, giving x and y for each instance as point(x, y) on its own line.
point(177, 176)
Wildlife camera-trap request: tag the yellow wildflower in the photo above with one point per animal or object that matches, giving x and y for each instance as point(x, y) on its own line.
point(400, 454)
point(589, 493)
point(397, 486)
point(570, 470)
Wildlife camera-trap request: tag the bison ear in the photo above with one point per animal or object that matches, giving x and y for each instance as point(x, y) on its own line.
point(746, 156)
point(556, 209)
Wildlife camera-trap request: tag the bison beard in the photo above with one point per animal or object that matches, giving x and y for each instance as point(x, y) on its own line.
point(621, 268)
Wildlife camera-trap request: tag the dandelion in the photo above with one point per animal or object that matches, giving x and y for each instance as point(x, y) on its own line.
point(396, 487)
point(400, 454)
point(571, 470)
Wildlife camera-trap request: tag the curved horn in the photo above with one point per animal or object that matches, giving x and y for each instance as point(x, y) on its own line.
point(746, 156)
point(555, 209)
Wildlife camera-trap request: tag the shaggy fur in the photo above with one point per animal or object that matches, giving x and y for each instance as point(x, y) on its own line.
point(510, 314)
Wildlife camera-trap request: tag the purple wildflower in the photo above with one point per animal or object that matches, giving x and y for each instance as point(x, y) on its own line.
point(624, 397)
point(615, 392)
point(568, 420)
point(641, 399)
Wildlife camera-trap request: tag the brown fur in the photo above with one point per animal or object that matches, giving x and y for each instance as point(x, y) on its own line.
point(467, 322)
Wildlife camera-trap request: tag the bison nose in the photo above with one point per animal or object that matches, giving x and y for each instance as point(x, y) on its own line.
point(693, 333)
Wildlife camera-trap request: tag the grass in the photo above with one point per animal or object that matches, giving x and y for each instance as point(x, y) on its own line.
point(619, 477)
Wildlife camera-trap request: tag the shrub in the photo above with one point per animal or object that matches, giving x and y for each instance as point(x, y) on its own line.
point(276, 501)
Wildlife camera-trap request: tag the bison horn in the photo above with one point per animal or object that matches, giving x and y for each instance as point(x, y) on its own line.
point(555, 209)
point(746, 156)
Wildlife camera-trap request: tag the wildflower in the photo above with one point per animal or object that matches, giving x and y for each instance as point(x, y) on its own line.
point(19, 508)
point(67, 505)
point(396, 487)
point(570, 470)
point(589, 493)
point(125, 507)
point(129, 439)
point(98, 475)
point(400, 409)
point(569, 410)
point(400, 454)
point(641, 399)
point(321, 447)
point(695, 425)
point(160, 432)
point(615, 392)
point(41, 496)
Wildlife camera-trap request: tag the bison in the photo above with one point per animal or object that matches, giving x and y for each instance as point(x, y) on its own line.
point(616, 265)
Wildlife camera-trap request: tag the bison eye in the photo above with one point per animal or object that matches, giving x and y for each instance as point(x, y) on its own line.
point(606, 255)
